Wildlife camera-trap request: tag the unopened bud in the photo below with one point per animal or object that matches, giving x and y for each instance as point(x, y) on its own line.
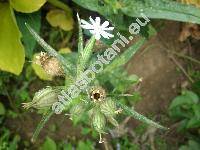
point(43, 98)
point(98, 121)
point(108, 107)
point(77, 109)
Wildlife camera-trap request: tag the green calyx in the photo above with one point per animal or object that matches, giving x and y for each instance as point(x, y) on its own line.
point(43, 98)
point(77, 109)
point(108, 107)
point(98, 121)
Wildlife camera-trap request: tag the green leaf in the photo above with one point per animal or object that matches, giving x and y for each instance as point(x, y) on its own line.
point(138, 116)
point(80, 48)
point(27, 6)
point(2, 109)
point(66, 65)
point(86, 145)
point(162, 9)
point(41, 125)
point(125, 56)
point(187, 98)
point(86, 54)
point(59, 18)
point(196, 109)
point(193, 123)
point(49, 144)
point(12, 55)
point(14, 143)
point(192, 145)
point(34, 19)
point(88, 4)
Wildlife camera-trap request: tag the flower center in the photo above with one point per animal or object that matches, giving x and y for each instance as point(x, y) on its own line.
point(96, 96)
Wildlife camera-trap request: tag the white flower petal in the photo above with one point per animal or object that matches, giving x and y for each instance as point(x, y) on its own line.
point(96, 28)
point(98, 36)
point(98, 21)
point(108, 29)
point(106, 35)
point(77, 15)
point(105, 24)
point(88, 27)
point(92, 21)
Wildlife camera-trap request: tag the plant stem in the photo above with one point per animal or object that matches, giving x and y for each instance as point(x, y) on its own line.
point(186, 57)
point(182, 69)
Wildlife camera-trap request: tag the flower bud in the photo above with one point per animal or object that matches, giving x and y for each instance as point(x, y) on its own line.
point(43, 98)
point(98, 121)
point(108, 107)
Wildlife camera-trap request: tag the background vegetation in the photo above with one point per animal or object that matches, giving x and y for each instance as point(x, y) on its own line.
point(55, 21)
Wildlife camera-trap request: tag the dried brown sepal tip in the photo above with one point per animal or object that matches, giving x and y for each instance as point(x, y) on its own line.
point(191, 2)
point(97, 94)
point(50, 64)
point(189, 30)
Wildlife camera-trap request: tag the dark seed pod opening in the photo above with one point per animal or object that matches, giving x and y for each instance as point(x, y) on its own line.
point(97, 94)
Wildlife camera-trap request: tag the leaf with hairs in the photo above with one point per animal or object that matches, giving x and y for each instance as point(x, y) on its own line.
point(86, 53)
point(162, 9)
point(125, 56)
point(139, 117)
point(66, 65)
point(80, 48)
point(41, 125)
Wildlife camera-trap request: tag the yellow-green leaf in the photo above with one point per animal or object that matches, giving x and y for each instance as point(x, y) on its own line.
point(59, 18)
point(27, 6)
point(65, 50)
point(11, 49)
point(2, 109)
point(39, 71)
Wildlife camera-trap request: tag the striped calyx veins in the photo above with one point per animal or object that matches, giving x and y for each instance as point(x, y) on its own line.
point(43, 98)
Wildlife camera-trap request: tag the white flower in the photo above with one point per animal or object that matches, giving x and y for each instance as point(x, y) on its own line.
point(96, 29)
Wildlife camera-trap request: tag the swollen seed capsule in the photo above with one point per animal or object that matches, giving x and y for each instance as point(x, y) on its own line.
point(98, 121)
point(43, 98)
point(77, 109)
point(113, 121)
point(108, 107)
